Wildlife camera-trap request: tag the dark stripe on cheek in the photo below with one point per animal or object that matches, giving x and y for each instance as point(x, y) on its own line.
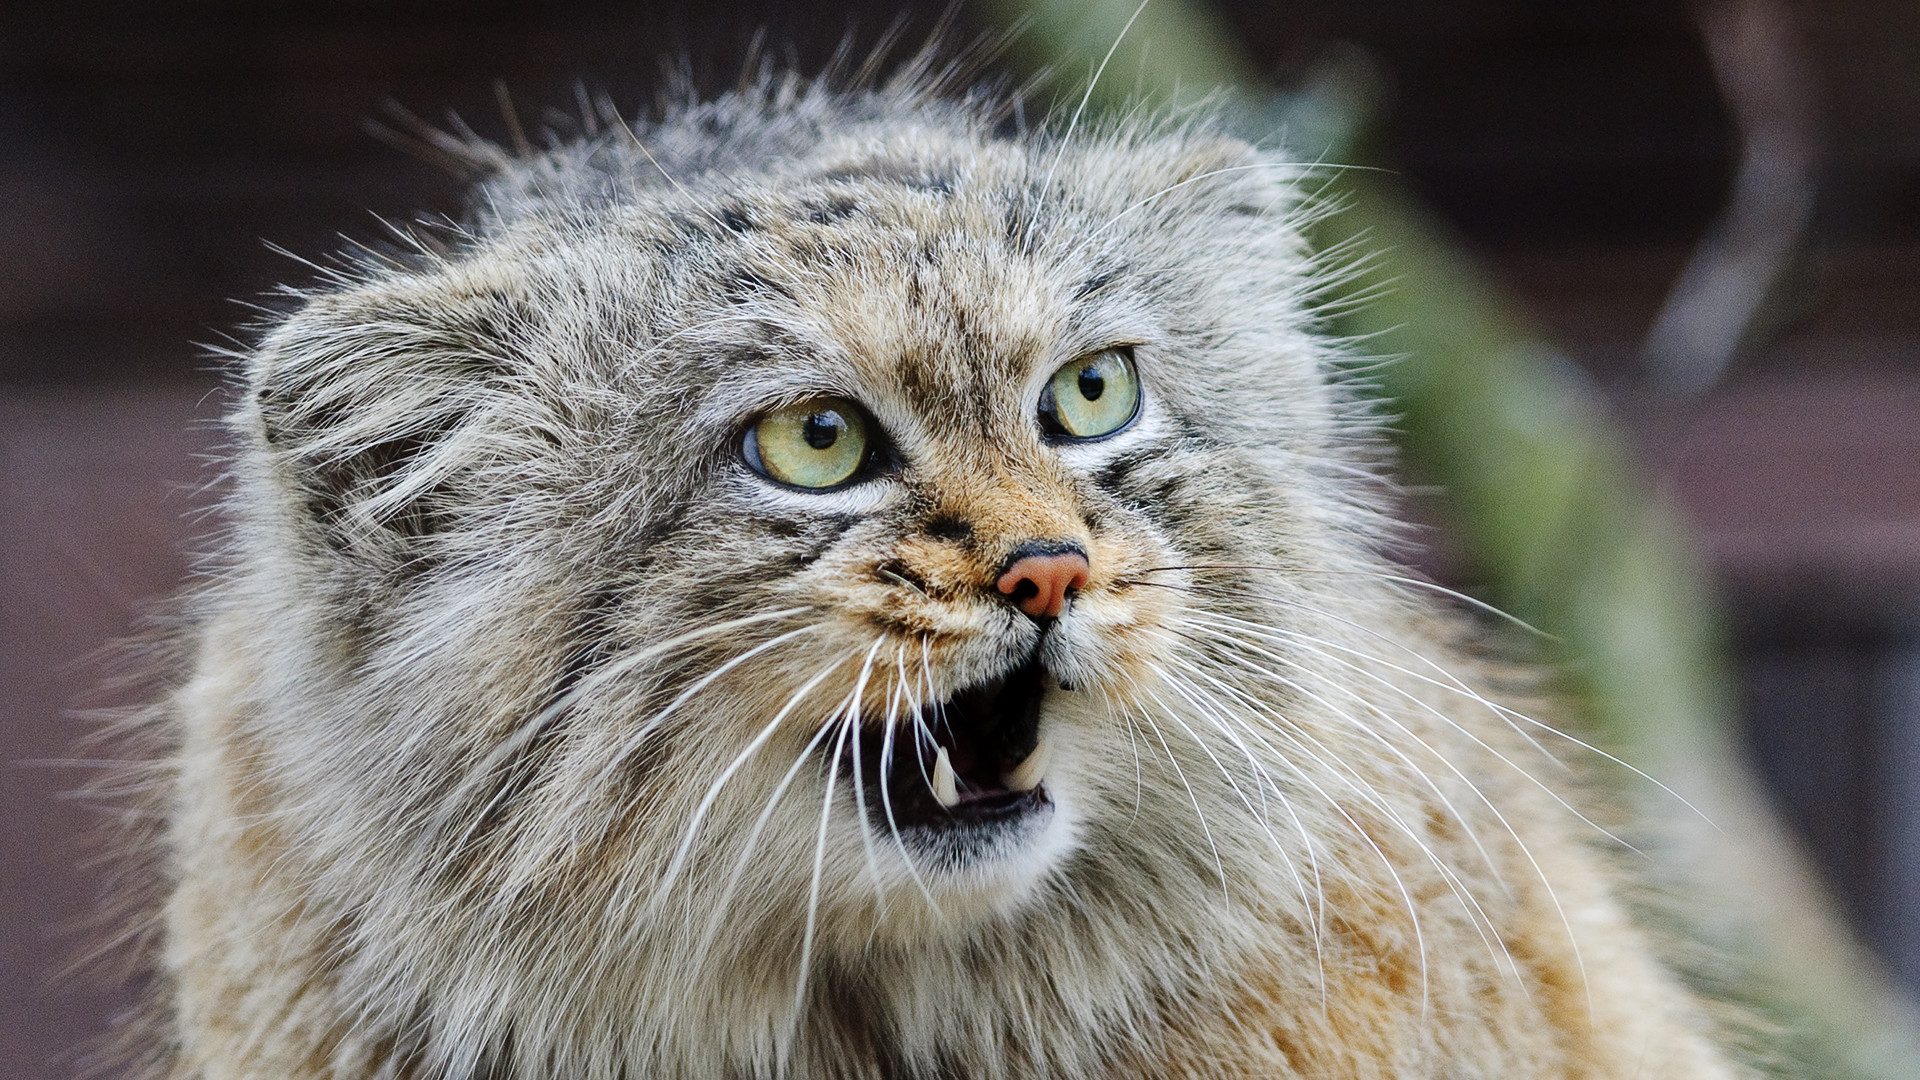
point(828, 211)
point(1096, 283)
point(801, 542)
point(1113, 476)
point(949, 527)
point(745, 285)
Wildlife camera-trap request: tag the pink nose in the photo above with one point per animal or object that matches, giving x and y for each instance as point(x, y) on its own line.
point(1038, 584)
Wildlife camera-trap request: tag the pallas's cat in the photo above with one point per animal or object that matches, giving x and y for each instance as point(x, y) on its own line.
point(839, 585)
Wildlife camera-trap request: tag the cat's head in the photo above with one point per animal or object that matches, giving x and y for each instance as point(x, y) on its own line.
point(789, 554)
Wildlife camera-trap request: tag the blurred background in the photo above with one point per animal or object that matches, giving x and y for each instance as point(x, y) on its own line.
point(1581, 153)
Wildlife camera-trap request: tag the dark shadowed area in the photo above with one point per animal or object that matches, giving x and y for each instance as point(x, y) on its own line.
point(150, 154)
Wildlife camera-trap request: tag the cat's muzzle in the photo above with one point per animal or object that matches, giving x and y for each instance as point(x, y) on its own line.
point(974, 762)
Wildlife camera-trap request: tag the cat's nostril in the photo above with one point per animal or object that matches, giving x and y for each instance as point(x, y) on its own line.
point(1039, 578)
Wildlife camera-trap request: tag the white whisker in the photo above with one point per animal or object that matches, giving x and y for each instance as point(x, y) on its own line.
point(1483, 923)
point(1073, 123)
point(1268, 786)
point(859, 782)
point(1330, 762)
point(646, 729)
point(912, 708)
point(675, 864)
point(486, 769)
point(819, 860)
point(748, 846)
point(1525, 851)
point(1377, 575)
point(1174, 760)
point(1317, 647)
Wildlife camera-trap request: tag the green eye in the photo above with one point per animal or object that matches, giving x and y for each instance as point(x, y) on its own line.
point(1090, 397)
point(817, 443)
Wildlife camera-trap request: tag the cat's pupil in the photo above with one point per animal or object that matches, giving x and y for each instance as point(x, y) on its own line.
point(822, 429)
point(1092, 383)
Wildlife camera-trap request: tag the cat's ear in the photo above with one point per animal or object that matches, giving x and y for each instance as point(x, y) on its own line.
point(1209, 170)
point(366, 401)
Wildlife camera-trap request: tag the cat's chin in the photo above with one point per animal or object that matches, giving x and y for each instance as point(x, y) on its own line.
point(972, 874)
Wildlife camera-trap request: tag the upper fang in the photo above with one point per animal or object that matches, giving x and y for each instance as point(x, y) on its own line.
point(1027, 775)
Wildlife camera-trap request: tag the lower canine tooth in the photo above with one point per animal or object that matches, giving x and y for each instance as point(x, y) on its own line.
point(1027, 775)
point(943, 785)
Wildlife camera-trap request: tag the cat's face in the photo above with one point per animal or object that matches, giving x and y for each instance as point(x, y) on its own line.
point(792, 559)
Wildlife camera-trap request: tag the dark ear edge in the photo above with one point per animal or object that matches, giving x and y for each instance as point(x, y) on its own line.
point(358, 395)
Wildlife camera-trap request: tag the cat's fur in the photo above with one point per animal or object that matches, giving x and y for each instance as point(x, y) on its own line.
point(511, 743)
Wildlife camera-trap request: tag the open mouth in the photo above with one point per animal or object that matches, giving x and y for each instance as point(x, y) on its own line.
point(972, 761)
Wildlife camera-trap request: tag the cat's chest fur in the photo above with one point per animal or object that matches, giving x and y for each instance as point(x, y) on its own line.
point(838, 586)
